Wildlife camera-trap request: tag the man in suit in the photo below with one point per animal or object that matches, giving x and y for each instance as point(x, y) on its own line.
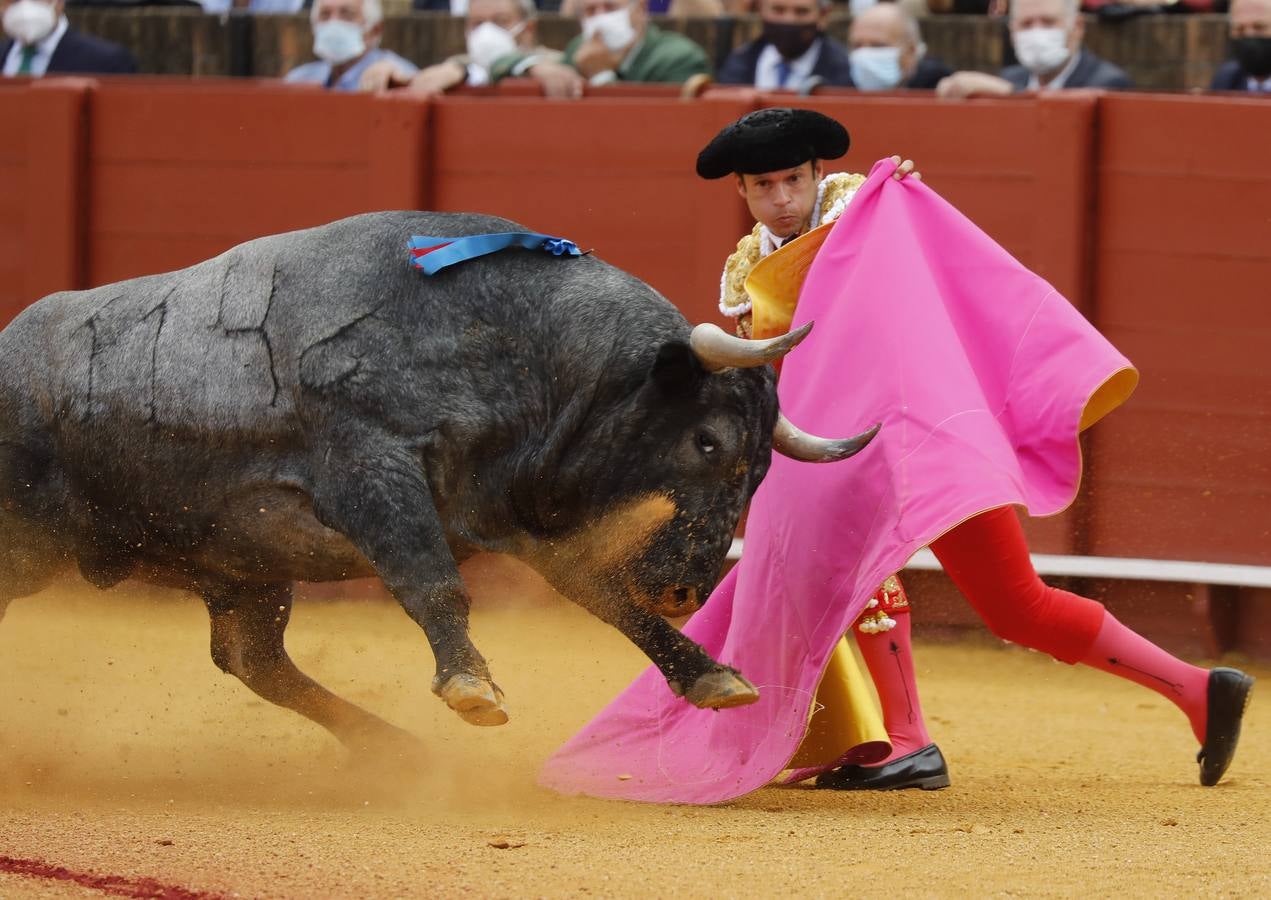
point(39, 41)
point(1249, 24)
point(1046, 35)
point(792, 50)
point(887, 52)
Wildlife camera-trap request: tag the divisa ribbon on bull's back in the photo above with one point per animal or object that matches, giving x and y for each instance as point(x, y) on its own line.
point(432, 254)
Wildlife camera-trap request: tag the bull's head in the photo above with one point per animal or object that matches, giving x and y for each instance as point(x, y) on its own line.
point(718, 351)
point(673, 463)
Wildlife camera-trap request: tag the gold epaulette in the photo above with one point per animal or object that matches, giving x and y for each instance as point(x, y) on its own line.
point(733, 300)
point(838, 188)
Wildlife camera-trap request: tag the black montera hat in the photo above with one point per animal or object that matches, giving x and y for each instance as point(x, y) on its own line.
point(770, 139)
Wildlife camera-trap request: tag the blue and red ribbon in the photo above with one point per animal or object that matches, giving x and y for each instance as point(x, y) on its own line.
point(432, 254)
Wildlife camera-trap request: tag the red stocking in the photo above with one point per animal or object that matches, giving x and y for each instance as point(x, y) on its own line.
point(987, 558)
point(889, 656)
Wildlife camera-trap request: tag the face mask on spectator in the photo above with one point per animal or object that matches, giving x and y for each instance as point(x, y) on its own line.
point(1254, 55)
point(336, 41)
point(615, 28)
point(487, 42)
point(1041, 50)
point(29, 21)
point(875, 68)
point(791, 40)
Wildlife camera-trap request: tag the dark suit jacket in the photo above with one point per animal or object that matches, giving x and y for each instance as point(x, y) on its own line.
point(1091, 72)
point(831, 64)
point(82, 54)
point(1230, 77)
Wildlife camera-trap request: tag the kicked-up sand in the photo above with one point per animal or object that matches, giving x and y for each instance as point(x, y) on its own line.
point(130, 766)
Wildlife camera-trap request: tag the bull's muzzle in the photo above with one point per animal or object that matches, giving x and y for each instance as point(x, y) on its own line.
point(717, 350)
point(676, 602)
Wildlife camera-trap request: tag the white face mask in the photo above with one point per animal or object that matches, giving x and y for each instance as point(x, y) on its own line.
point(1041, 50)
point(29, 21)
point(336, 41)
point(875, 68)
point(615, 28)
point(488, 42)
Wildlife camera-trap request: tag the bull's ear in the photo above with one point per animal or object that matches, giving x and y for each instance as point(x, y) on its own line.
point(676, 369)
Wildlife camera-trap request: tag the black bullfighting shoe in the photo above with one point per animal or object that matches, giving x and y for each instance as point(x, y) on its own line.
point(923, 768)
point(1228, 695)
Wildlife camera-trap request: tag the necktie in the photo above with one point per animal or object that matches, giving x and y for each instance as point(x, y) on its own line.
point(28, 56)
point(783, 72)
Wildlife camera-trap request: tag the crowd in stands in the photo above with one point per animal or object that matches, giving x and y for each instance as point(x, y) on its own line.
point(620, 41)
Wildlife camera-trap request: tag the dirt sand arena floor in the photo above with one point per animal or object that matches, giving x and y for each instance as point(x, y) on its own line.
point(129, 766)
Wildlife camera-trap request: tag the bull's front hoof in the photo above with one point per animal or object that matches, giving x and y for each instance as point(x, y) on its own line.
point(475, 700)
point(721, 689)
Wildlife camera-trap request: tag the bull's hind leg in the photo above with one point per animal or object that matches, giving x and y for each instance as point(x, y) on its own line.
point(248, 621)
point(376, 495)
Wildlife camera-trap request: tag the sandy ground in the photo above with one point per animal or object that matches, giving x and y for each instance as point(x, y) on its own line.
point(124, 752)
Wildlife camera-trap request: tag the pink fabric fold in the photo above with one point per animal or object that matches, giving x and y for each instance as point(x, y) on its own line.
point(979, 371)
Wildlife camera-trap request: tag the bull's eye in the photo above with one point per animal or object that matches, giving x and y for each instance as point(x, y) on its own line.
point(706, 443)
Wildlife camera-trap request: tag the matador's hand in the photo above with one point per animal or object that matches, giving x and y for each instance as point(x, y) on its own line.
point(904, 169)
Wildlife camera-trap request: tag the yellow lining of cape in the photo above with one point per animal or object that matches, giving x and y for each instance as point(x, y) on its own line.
point(776, 280)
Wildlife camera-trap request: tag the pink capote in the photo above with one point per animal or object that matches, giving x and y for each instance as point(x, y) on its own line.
point(979, 371)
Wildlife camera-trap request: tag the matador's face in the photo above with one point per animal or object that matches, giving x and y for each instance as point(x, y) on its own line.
point(782, 200)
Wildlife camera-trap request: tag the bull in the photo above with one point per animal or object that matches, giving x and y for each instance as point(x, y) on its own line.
point(308, 407)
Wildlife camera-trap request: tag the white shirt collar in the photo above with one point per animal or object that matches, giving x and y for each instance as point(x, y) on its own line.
point(1034, 83)
point(43, 51)
point(766, 78)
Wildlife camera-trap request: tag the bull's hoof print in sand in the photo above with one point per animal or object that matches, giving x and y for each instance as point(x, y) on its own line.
point(720, 690)
point(476, 701)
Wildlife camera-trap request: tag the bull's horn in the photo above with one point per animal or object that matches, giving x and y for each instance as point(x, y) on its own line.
point(789, 440)
point(716, 349)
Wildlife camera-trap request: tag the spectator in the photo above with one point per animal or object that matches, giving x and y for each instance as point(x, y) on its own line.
point(501, 42)
point(1249, 23)
point(619, 43)
point(40, 41)
point(346, 36)
point(792, 50)
point(887, 52)
point(1046, 35)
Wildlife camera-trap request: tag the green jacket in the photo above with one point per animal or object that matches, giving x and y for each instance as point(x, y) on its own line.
point(661, 56)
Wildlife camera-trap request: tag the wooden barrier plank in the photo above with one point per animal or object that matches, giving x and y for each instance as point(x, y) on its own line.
point(398, 154)
point(13, 172)
point(224, 121)
point(55, 184)
point(1183, 261)
point(614, 175)
point(182, 175)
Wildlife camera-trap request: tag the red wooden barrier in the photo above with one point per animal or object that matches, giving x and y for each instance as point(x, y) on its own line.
point(1183, 274)
point(13, 181)
point(180, 173)
point(41, 207)
point(613, 174)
